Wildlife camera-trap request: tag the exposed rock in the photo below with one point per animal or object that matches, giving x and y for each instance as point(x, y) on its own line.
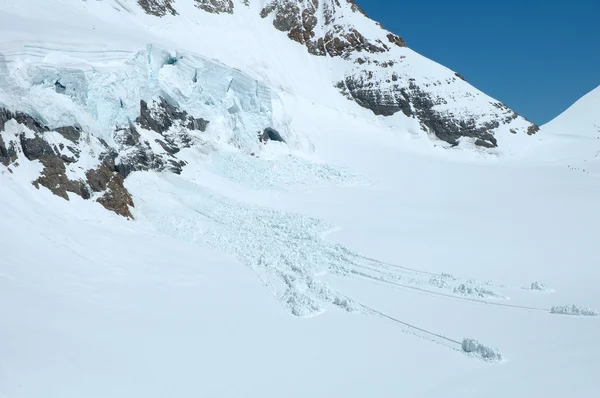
point(36, 148)
point(158, 8)
point(30, 122)
point(71, 133)
point(140, 159)
point(5, 116)
point(301, 21)
point(105, 180)
point(197, 124)
point(99, 178)
point(270, 134)
point(21, 118)
point(128, 136)
point(216, 6)
point(340, 42)
point(379, 101)
point(534, 128)
point(413, 101)
point(55, 179)
point(8, 154)
point(117, 198)
point(397, 40)
point(326, 27)
point(161, 117)
point(170, 149)
point(461, 77)
point(356, 7)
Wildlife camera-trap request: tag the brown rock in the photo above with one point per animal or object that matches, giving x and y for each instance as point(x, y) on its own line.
point(117, 198)
point(55, 179)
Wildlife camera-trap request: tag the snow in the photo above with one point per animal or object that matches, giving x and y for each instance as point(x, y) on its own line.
point(573, 310)
point(324, 267)
point(474, 347)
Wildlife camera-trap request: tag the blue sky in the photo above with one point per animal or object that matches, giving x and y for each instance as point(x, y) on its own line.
point(538, 57)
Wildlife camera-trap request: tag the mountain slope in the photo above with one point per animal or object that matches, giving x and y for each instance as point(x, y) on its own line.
point(581, 119)
point(382, 75)
point(94, 102)
point(267, 236)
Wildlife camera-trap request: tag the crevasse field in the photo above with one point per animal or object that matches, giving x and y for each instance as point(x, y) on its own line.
point(350, 262)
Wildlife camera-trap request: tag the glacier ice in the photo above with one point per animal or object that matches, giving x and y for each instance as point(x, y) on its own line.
point(103, 94)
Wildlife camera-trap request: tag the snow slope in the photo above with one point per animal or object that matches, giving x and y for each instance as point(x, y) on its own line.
point(105, 307)
point(350, 261)
point(573, 137)
point(580, 119)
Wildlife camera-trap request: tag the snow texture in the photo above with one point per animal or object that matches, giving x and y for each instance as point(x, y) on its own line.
point(573, 310)
point(540, 287)
point(475, 291)
point(474, 347)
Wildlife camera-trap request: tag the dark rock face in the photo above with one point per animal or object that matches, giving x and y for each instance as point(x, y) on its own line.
point(301, 18)
point(108, 180)
point(8, 153)
point(5, 116)
point(158, 8)
point(161, 117)
point(215, 6)
point(117, 198)
point(55, 179)
point(270, 134)
point(534, 128)
point(414, 102)
point(36, 148)
point(158, 122)
point(397, 40)
point(72, 133)
point(21, 118)
point(174, 127)
point(375, 81)
point(105, 180)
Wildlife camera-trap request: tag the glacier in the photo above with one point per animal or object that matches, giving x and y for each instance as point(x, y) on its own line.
point(350, 260)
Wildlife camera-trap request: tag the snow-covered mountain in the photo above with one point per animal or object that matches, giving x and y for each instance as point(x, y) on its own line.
point(127, 85)
point(581, 119)
point(319, 211)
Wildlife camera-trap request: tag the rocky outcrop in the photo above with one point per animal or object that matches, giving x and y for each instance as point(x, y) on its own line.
point(54, 177)
point(158, 8)
point(377, 78)
point(414, 102)
point(8, 153)
point(30, 141)
point(175, 128)
point(215, 6)
point(105, 182)
point(270, 134)
point(534, 128)
point(314, 23)
point(162, 116)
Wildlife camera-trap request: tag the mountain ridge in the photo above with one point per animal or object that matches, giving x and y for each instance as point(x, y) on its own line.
point(91, 116)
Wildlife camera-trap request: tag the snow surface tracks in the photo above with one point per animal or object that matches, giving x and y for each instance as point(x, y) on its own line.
point(288, 251)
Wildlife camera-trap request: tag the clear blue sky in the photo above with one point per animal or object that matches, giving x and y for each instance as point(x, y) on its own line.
point(538, 57)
